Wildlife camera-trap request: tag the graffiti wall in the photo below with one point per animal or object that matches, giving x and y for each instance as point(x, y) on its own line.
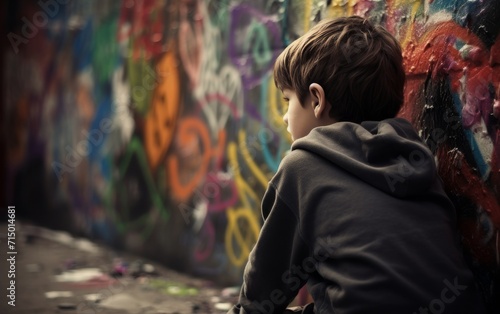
point(154, 125)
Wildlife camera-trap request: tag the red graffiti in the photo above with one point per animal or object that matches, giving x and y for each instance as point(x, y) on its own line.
point(462, 180)
point(215, 190)
point(205, 242)
point(142, 22)
point(453, 52)
point(436, 52)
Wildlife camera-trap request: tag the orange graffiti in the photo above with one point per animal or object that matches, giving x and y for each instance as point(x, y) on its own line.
point(161, 119)
point(193, 154)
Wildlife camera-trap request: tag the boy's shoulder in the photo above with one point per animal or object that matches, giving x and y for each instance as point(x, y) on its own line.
point(295, 159)
point(300, 162)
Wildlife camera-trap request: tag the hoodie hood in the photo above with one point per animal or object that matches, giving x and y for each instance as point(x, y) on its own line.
point(388, 154)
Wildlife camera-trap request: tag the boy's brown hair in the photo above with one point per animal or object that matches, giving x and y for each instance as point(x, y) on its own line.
point(358, 64)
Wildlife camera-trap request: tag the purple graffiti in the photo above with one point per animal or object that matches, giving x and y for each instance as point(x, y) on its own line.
point(255, 58)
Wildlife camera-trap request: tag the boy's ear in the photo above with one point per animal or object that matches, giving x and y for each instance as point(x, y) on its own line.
point(319, 102)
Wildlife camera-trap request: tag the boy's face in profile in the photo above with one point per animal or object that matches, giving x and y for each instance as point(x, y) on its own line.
point(299, 118)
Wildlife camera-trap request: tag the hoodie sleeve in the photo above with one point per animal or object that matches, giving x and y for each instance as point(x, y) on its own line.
point(274, 272)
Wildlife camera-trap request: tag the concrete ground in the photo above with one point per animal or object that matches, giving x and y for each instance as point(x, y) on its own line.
point(55, 273)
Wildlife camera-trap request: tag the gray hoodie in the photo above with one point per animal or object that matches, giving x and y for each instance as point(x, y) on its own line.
point(358, 212)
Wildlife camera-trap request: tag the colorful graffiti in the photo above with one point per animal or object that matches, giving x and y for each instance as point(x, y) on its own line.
point(158, 122)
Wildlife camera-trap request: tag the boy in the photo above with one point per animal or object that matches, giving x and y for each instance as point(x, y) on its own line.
point(356, 209)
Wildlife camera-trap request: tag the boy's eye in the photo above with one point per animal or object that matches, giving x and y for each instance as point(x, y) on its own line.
point(286, 99)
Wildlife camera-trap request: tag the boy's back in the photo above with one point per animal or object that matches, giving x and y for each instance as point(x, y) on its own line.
point(380, 228)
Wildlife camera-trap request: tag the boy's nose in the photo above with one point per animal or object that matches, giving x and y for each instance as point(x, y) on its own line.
point(285, 118)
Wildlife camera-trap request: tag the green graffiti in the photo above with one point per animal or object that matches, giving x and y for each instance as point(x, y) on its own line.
point(261, 50)
point(219, 13)
point(146, 222)
point(105, 50)
point(142, 78)
point(172, 287)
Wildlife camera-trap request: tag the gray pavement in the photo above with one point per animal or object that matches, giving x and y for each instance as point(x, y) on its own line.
point(56, 273)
